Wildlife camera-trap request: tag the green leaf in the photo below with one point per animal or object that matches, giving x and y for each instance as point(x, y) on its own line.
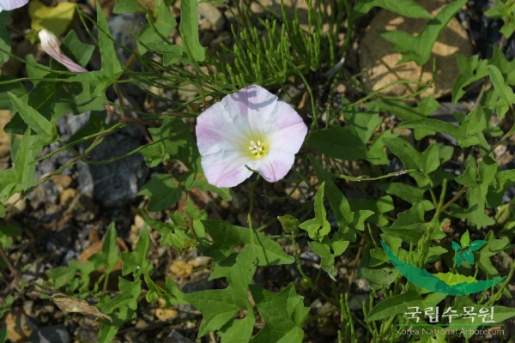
point(406, 8)
point(127, 6)
point(191, 180)
point(238, 330)
point(128, 297)
point(10, 230)
point(5, 38)
point(403, 110)
point(337, 200)
point(468, 178)
point(46, 130)
point(219, 306)
point(108, 257)
point(362, 125)
point(392, 306)
point(283, 313)
point(162, 191)
point(24, 156)
point(418, 48)
point(318, 227)
point(289, 223)
point(433, 125)
point(427, 162)
point(189, 31)
point(328, 250)
point(506, 95)
point(171, 139)
point(377, 207)
point(465, 239)
point(472, 70)
point(76, 50)
point(477, 193)
point(404, 191)
point(61, 276)
point(111, 66)
point(136, 262)
point(174, 233)
point(6, 306)
point(14, 86)
point(507, 68)
point(338, 142)
point(226, 237)
point(382, 275)
point(161, 24)
point(409, 224)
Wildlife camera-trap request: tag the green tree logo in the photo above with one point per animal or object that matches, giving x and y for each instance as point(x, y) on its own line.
point(464, 251)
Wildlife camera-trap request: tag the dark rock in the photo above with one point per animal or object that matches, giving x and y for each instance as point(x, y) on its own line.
point(176, 337)
point(197, 282)
point(50, 334)
point(114, 184)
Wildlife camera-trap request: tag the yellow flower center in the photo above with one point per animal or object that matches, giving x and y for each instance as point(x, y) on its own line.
point(258, 149)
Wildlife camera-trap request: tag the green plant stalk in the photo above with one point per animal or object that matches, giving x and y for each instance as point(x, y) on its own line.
point(305, 277)
point(368, 178)
point(499, 292)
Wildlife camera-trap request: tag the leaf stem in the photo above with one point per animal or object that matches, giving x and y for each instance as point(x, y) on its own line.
point(251, 202)
point(453, 200)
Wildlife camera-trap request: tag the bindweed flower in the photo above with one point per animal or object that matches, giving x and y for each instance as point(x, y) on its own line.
point(8, 5)
point(50, 45)
point(249, 128)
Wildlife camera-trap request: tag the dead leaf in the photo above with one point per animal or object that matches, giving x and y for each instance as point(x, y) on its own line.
point(181, 269)
point(16, 324)
point(54, 19)
point(77, 305)
point(166, 313)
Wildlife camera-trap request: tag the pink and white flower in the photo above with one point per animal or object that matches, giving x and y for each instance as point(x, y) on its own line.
point(9, 5)
point(51, 46)
point(249, 128)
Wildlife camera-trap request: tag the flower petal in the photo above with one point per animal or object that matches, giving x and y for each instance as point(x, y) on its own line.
point(275, 165)
point(50, 45)
point(226, 168)
point(290, 130)
point(225, 130)
point(8, 5)
point(252, 107)
point(217, 131)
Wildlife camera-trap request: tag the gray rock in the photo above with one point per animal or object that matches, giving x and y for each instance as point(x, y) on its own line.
point(176, 337)
point(50, 334)
point(71, 123)
point(212, 15)
point(197, 282)
point(116, 183)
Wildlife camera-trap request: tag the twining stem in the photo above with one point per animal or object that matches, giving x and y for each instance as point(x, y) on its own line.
point(320, 315)
point(368, 178)
point(251, 202)
point(498, 294)
point(14, 272)
point(453, 200)
point(310, 282)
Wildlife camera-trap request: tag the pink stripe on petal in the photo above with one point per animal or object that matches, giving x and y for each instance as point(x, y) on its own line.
point(225, 169)
point(289, 139)
point(218, 119)
point(276, 165)
point(50, 45)
point(287, 116)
